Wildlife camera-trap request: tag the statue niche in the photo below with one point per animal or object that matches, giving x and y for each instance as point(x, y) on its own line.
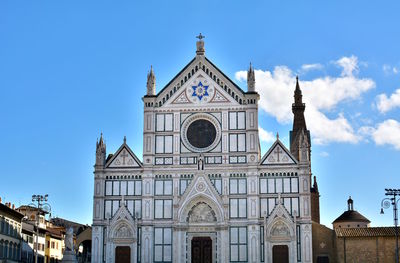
point(201, 213)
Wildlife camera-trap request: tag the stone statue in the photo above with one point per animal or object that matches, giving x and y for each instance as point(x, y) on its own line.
point(69, 253)
point(69, 239)
point(200, 163)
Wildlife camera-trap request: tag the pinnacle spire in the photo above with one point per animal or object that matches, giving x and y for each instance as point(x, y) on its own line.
point(298, 97)
point(100, 151)
point(151, 82)
point(299, 122)
point(315, 184)
point(251, 79)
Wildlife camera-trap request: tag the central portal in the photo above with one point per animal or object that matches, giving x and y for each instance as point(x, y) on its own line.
point(122, 254)
point(201, 250)
point(280, 254)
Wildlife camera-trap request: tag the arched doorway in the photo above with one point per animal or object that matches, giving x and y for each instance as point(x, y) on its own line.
point(201, 250)
point(122, 254)
point(280, 254)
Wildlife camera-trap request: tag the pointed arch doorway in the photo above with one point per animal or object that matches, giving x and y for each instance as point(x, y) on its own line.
point(280, 254)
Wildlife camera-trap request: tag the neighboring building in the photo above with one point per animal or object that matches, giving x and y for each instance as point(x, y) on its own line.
point(371, 244)
point(352, 240)
point(54, 244)
point(351, 218)
point(35, 224)
point(84, 245)
point(204, 190)
point(28, 236)
point(10, 233)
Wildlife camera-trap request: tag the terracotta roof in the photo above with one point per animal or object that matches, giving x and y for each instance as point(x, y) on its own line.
point(351, 216)
point(11, 212)
point(366, 232)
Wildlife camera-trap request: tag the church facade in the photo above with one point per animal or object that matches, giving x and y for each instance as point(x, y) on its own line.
point(203, 191)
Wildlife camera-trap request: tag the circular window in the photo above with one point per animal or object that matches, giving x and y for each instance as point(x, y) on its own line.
point(201, 132)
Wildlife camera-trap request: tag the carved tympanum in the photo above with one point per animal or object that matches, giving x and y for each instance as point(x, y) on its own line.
point(280, 230)
point(201, 213)
point(123, 232)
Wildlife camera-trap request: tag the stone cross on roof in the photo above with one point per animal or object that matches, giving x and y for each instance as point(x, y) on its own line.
point(200, 37)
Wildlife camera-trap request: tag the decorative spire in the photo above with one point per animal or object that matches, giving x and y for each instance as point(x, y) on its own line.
point(100, 151)
point(298, 97)
point(251, 80)
point(350, 204)
point(315, 184)
point(277, 135)
point(151, 83)
point(299, 123)
point(124, 139)
point(200, 45)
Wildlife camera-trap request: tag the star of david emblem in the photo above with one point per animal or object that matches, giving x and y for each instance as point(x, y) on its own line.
point(200, 91)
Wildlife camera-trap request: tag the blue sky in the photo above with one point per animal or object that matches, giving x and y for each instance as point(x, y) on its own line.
point(71, 69)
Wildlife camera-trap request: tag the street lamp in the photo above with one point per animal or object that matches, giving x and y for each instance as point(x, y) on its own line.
point(40, 206)
point(385, 204)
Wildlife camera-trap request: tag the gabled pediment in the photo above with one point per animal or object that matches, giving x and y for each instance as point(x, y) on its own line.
point(280, 225)
point(122, 213)
point(122, 225)
point(201, 90)
point(186, 86)
point(124, 158)
point(200, 191)
point(280, 211)
point(278, 154)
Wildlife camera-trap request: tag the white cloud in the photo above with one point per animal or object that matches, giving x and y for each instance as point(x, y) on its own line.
point(388, 70)
point(385, 104)
point(308, 67)
point(324, 154)
point(321, 94)
point(265, 136)
point(386, 132)
point(349, 65)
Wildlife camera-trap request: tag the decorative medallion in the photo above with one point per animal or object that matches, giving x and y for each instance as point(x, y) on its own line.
point(201, 132)
point(200, 187)
point(200, 90)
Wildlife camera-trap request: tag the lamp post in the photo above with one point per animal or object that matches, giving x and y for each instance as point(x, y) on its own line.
point(41, 205)
point(385, 204)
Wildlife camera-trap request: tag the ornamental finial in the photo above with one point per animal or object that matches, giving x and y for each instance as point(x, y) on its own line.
point(200, 37)
point(200, 45)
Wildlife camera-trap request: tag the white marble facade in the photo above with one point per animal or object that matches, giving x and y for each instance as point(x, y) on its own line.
point(202, 175)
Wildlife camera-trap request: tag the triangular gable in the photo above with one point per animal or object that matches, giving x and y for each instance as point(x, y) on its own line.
point(280, 224)
point(200, 186)
point(124, 158)
point(200, 89)
point(278, 154)
point(174, 87)
point(122, 224)
point(122, 213)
